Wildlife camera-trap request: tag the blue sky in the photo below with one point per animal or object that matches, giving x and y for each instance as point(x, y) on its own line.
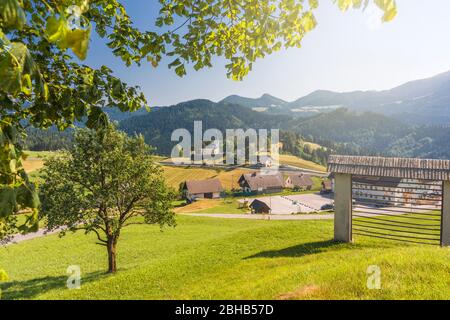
point(347, 51)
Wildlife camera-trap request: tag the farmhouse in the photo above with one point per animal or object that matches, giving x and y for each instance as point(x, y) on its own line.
point(376, 188)
point(202, 189)
point(395, 191)
point(258, 206)
point(258, 182)
point(299, 181)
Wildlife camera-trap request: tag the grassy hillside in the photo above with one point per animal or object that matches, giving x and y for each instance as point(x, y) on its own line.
point(301, 163)
point(34, 164)
point(207, 258)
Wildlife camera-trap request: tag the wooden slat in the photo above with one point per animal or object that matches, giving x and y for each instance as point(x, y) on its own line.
point(408, 168)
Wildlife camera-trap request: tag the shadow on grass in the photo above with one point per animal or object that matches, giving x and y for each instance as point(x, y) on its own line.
point(300, 250)
point(27, 289)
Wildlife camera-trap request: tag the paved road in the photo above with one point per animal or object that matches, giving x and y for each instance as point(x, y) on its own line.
point(22, 237)
point(294, 203)
point(263, 217)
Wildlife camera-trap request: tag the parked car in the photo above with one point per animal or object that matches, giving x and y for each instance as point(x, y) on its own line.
point(327, 207)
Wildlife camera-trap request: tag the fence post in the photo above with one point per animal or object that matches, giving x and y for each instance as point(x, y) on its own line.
point(445, 222)
point(342, 207)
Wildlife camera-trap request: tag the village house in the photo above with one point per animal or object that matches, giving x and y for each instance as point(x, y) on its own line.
point(202, 189)
point(395, 191)
point(299, 181)
point(258, 182)
point(375, 188)
point(258, 206)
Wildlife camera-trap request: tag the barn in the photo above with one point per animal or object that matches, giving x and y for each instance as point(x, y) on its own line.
point(259, 182)
point(202, 189)
point(258, 206)
point(299, 181)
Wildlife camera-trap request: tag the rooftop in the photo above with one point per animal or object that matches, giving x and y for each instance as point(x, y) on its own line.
point(407, 168)
point(203, 186)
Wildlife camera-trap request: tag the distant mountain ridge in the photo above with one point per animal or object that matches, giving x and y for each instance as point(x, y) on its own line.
point(425, 101)
point(265, 101)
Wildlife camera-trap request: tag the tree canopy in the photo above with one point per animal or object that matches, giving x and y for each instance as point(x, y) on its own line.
point(104, 183)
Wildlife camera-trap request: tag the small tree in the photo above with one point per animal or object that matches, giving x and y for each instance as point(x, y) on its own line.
point(103, 184)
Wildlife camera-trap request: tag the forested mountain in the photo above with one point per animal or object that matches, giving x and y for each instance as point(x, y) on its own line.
point(363, 132)
point(347, 132)
point(47, 140)
point(116, 115)
point(340, 131)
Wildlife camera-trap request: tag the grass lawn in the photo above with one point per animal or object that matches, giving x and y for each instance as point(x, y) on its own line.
point(226, 206)
point(208, 258)
point(21, 218)
point(211, 206)
point(34, 164)
point(35, 161)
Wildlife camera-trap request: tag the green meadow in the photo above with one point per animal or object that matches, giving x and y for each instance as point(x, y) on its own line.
point(210, 258)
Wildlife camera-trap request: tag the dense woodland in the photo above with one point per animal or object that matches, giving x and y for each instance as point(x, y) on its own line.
point(341, 131)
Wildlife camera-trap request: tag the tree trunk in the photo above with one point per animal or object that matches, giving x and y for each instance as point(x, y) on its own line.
point(111, 245)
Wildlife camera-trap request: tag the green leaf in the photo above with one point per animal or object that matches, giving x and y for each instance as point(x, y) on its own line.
point(56, 30)
point(180, 70)
point(15, 64)
point(7, 201)
point(78, 40)
point(3, 275)
point(389, 8)
point(12, 14)
point(27, 196)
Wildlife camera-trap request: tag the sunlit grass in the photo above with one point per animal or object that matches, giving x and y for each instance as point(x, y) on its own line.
point(300, 163)
point(207, 258)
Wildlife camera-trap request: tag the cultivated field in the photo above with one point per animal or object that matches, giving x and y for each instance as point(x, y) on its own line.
point(210, 258)
point(212, 206)
point(36, 159)
point(33, 164)
point(300, 163)
point(175, 175)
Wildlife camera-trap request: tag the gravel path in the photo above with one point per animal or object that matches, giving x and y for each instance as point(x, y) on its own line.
point(22, 237)
point(264, 217)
